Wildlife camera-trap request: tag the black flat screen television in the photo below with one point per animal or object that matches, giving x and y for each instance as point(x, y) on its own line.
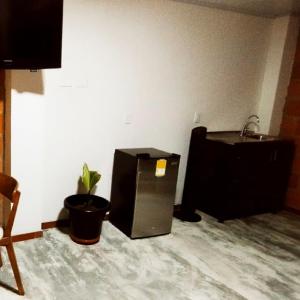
point(30, 34)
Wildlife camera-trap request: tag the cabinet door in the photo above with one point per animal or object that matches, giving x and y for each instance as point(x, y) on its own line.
point(260, 177)
point(245, 170)
point(277, 174)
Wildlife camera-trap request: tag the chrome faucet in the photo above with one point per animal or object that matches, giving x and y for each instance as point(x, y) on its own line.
point(245, 131)
point(254, 116)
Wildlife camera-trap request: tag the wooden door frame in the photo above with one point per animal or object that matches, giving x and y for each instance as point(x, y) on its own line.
point(5, 134)
point(5, 112)
point(7, 124)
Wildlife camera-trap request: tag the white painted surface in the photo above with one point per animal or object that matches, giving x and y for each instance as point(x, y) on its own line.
point(158, 61)
point(271, 78)
point(277, 73)
point(266, 8)
point(28, 153)
point(285, 75)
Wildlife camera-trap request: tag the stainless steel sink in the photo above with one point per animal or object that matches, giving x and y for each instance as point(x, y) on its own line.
point(260, 137)
point(234, 137)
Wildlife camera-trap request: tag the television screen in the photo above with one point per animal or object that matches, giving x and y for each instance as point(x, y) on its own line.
point(30, 34)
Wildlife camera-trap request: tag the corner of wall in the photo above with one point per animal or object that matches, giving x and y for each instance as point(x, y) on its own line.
point(7, 125)
point(279, 62)
point(285, 74)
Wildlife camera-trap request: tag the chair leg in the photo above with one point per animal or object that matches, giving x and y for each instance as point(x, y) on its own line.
point(14, 265)
point(1, 262)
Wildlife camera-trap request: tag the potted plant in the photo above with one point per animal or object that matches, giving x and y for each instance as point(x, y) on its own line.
point(86, 211)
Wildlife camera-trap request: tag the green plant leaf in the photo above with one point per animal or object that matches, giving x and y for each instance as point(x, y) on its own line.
point(85, 178)
point(94, 178)
point(89, 178)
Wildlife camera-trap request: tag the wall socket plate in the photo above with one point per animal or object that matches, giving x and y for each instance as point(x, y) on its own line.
point(128, 118)
point(196, 117)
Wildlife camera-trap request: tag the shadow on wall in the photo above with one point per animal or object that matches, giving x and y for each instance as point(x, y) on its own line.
point(27, 81)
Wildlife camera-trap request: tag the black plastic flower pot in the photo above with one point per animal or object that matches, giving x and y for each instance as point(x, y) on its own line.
point(86, 214)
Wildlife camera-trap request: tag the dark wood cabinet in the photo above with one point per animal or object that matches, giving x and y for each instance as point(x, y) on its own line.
point(231, 177)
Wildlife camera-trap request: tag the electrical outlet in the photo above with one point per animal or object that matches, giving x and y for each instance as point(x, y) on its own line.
point(128, 119)
point(196, 117)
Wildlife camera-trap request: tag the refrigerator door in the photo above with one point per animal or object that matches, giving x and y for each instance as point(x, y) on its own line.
point(154, 199)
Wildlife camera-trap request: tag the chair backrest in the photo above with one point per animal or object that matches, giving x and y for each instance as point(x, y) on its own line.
point(7, 186)
point(8, 190)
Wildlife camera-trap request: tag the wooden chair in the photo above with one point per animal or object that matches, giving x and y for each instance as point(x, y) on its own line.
point(8, 188)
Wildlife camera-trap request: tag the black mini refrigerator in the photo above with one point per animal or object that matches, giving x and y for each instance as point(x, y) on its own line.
point(143, 191)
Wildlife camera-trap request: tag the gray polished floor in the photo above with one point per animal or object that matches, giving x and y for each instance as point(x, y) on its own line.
point(255, 258)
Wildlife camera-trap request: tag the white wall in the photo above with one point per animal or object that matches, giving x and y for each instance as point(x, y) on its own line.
point(287, 62)
point(158, 61)
point(282, 45)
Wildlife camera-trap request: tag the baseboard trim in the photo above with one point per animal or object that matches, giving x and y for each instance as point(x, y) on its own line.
point(66, 222)
point(54, 224)
point(292, 210)
point(27, 236)
point(62, 223)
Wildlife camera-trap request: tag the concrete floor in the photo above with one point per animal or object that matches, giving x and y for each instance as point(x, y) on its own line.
point(255, 258)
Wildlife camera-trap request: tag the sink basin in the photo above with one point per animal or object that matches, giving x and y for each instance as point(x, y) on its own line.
point(234, 137)
point(260, 137)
